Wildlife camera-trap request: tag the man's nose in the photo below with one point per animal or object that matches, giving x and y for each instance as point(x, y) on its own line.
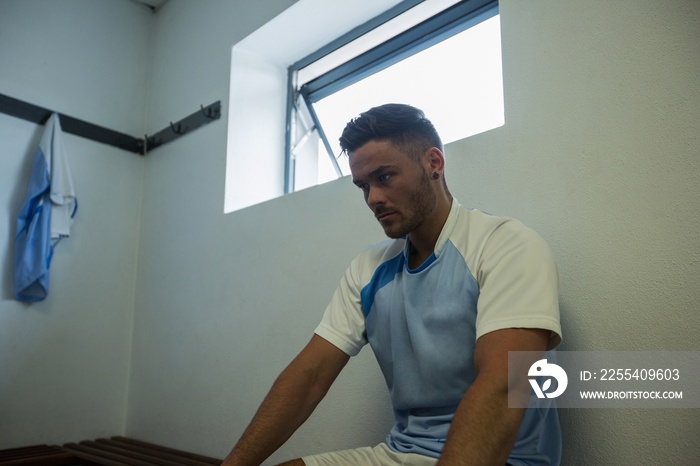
point(375, 197)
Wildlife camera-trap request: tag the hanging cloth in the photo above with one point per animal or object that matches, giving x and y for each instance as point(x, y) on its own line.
point(46, 215)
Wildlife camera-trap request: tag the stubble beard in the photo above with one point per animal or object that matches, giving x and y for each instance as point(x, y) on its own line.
point(422, 202)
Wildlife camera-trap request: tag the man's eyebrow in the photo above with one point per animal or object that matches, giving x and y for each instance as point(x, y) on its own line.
point(373, 174)
point(380, 169)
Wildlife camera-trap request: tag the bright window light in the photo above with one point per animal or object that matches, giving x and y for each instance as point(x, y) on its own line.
point(458, 83)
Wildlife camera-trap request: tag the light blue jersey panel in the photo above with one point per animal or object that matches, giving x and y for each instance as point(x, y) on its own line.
point(421, 326)
point(539, 438)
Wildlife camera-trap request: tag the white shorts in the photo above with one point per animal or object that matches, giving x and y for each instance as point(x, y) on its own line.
point(381, 455)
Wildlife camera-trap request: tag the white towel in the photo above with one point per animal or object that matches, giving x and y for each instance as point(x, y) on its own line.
point(63, 201)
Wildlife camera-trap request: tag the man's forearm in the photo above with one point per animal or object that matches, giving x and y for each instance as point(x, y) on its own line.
point(484, 429)
point(291, 400)
point(284, 409)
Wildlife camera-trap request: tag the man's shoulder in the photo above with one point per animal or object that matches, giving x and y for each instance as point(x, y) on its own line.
point(366, 263)
point(382, 251)
point(476, 233)
point(476, 222)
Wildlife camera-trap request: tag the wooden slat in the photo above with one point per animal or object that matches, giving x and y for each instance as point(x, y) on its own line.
point(98, 456)
point(36, 455)
point(25, 451)
point(86, 459)
point(180, 458)
point(152, 458)
point(173, 451)
point(116, 451)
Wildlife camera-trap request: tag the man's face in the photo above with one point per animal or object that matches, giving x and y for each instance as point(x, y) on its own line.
point(396, 188)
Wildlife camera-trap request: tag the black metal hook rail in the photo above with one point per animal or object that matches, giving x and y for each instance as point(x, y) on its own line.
point(191, 122)
point(39, 115)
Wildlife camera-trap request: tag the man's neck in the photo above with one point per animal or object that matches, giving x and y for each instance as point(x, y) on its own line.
point(424, 238)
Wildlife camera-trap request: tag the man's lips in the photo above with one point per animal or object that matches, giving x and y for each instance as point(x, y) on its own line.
point(383, 215)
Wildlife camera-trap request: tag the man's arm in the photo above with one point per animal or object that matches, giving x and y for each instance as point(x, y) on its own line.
point(484, 428)
point(291, 400)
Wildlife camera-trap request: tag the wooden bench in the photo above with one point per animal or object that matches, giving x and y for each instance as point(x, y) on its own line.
point(116, 451)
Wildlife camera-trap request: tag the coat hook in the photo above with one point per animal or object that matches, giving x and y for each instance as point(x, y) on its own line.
point(208, 112)
point(177, 129)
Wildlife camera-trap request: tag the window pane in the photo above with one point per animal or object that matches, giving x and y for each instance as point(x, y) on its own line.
point(458, 83)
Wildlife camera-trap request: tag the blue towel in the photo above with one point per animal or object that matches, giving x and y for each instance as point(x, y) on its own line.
point(46, 215)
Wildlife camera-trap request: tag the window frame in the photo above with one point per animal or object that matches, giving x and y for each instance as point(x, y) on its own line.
point(447, 23)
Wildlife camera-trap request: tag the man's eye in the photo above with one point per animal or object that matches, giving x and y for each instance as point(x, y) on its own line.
point(385, 177)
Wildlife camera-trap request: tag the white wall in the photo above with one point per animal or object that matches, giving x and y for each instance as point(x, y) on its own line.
point(598, 153)
point(64, 361)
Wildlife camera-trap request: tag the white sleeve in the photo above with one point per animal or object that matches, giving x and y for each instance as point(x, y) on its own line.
point(518, 282)
point(343, 322)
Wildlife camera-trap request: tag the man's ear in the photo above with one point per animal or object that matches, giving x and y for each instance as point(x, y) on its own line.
point(434, 161)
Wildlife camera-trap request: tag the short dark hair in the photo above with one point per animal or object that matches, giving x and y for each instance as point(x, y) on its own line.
point(405, 126)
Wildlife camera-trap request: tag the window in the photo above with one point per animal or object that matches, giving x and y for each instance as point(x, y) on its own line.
point(441, 56)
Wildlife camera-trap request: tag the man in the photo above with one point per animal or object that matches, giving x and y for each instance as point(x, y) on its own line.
point(441, 303)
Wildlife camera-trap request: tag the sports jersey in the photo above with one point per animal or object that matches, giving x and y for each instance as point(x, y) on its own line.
point(486, 273)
